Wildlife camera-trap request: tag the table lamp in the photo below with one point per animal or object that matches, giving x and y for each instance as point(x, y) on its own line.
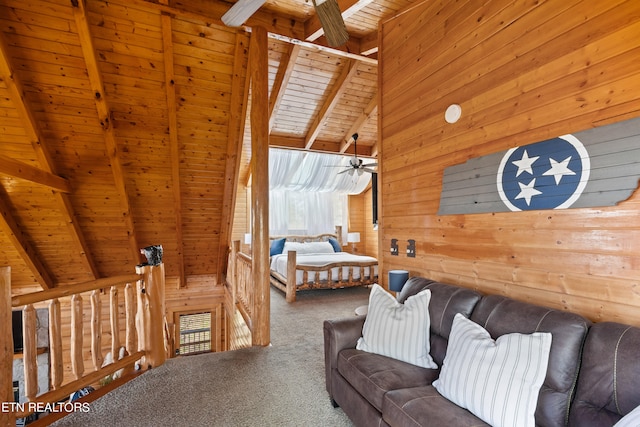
point(353, 238)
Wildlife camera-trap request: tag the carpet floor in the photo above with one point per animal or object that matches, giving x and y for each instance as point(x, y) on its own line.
point(279, 385)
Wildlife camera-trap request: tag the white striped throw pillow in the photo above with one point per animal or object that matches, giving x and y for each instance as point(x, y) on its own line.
point(498, 381)
point(396, 330)
point(632, 419)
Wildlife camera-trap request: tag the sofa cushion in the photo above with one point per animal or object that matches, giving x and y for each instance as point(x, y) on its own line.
point(446, 302)
point(500, 315)
point(608, 380)
point(396, 330)
point(424, 406)
point(499, 380)
point(413, 286)
point(372, 375)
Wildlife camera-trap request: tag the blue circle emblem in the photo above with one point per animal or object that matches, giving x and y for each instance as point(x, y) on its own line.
point(551, 174)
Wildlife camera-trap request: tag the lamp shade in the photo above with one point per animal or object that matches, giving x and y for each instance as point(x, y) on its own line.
point(247, 238)
point(397, 279)
point(353, 237)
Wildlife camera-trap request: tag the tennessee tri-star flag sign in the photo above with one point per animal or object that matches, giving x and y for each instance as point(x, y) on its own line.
point(597, 167)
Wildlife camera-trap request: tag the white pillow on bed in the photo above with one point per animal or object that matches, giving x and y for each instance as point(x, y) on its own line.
point(308, 247)
point(397, 330)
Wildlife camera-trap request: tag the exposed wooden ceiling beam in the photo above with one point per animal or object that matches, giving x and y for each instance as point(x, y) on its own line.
point(34, 133)
point(284, 28)
point(369, 110)
point(349, 70)
point(105, 117)
point(212, 11)
point(172, 113)
point(322, 48)
point(285, 70)
point(320, 146)
point(14, 233)
point(238, 112)
point(27, 172)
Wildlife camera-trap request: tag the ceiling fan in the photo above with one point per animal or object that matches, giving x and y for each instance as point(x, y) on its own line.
point(328, 12)
point(356, 164)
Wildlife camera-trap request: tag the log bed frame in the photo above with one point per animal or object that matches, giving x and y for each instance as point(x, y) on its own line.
point(290, 288)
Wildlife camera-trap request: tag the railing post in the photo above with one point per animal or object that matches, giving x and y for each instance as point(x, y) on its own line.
point(77, 361)
point(233, 270)
point(113, 321)
point(55, 339)
point(29, 352)
point(96, 331)
point(151, 314)
point(131, 336)
point(6, 346)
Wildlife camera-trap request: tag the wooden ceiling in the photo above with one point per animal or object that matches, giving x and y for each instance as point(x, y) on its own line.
point(122, 125)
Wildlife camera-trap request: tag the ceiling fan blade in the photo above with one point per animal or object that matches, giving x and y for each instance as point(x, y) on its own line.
point(368, 170)
point(332, 22)
point(346, 170)
point(240, 12)
point(369, 165)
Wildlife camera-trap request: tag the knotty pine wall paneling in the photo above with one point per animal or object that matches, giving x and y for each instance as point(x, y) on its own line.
point(361, 221)
point(522, 72)
point(370, 237)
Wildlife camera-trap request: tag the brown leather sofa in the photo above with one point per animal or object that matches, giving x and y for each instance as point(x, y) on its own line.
point(374, 390)
point(609, 380)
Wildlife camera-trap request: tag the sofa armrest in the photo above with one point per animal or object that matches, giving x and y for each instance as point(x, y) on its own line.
point(339, 334)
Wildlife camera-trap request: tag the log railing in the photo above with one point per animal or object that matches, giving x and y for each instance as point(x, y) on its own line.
point(145, 339)
point(239, 279)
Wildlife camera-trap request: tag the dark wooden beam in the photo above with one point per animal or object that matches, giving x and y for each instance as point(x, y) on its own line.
point(172, 113)
point(17, 169)
point(238, 111)
point(258, 63)
point(331, 101)
point(105, 117)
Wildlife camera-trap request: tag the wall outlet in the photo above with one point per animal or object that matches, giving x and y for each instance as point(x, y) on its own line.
point(411, 248)
point(394, 247)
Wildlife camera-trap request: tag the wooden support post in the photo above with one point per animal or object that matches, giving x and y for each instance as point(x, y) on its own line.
point(151, 313)
point(291, 277)
point(131, 336)
point(6, 345)
point(77, 362)
point(30, 352)
point(258, 67)
point(55, 342)
point(96, 330)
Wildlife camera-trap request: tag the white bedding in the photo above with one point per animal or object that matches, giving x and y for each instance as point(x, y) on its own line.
point(279, 264)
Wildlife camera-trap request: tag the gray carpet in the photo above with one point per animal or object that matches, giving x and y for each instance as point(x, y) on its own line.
point(280, 385)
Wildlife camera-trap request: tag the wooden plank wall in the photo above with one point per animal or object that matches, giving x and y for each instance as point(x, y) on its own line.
point(523, 72)
point(361, 221)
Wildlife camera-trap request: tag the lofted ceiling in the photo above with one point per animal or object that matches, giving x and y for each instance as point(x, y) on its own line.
point(122, 125)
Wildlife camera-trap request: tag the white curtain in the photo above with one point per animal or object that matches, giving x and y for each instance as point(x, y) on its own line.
point(306, 191)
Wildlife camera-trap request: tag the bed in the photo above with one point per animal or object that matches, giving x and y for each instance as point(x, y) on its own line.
point(317, 262)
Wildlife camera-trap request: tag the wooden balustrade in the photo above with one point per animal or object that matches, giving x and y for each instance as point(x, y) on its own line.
point(239, 276)
point(145, 326)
